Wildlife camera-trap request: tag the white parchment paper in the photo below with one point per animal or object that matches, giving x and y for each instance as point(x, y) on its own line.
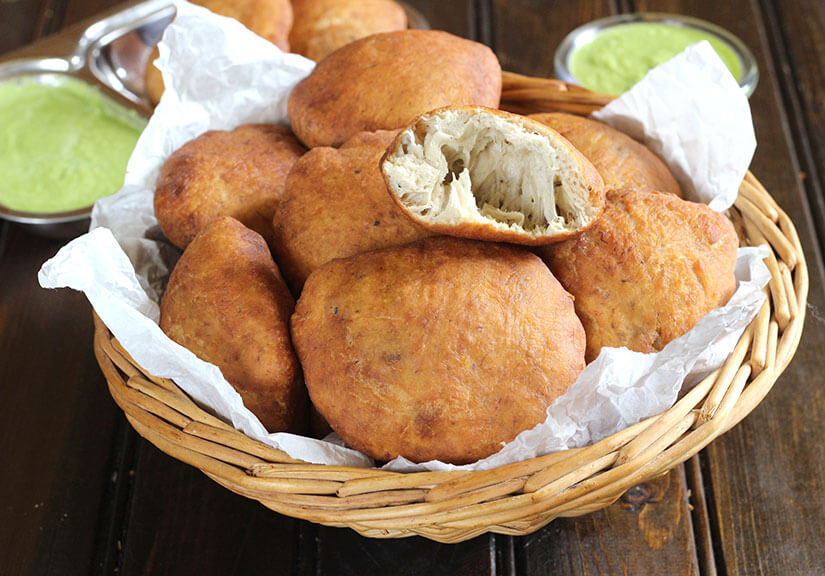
point(219, 75)
point(691, 112)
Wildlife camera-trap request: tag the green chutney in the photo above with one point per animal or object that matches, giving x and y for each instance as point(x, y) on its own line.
point(620, 56)
point(63, 144)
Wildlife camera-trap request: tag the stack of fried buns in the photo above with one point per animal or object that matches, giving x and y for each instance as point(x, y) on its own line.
point(415, 269)
point(311, 28)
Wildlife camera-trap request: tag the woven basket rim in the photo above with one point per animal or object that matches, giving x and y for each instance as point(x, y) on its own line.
point(517, 498)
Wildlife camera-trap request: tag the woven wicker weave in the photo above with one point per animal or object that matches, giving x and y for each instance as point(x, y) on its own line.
point(514, 499)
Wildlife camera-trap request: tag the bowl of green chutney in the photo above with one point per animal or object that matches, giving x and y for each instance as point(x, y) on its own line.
point(64, 145)
point(612, 54)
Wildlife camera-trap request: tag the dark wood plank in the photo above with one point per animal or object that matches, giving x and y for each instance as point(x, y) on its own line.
point(794, 29)
point(648, 531)
point(18, 23)
point(526, 33)
point(703, 536)
point(24, 21)
point(77, 10)
point(456, 17)
point(181, 522)
point(344, 553)
point(58, 420)
point(767, 476)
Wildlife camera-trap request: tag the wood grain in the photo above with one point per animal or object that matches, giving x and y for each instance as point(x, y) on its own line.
point(648, 531)
point(22, 21)
point(181, 522)
point(526, 33)
point(345, 553)
point(456, 17)
point(794, 30)
point(767, 476)
point(58, 420)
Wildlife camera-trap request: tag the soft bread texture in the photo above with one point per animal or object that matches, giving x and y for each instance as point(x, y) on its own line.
point(440, 349)
point(239, 173)
point(323, 26)
point(647, 270)
point(622, 161)
point(383, 81)
point(227, 303)
point(480, 173)
point(336, 204)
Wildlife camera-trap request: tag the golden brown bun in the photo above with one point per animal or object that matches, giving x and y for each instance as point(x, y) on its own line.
point(439, 349)
point(490, 175)
point(336, 205)
point(270, 19)
point(240, 173)
point(622, 161)
point(322, 26)
point(227, 303)
point(647, 270)
point(384, 81)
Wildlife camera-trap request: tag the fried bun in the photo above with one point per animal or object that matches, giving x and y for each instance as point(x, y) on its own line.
point(239, 173)
point(440, 349)
point(227, 303)
point(383, 81)
point(323, 26)
point(647, 270)
point(622, 161)
point(336, 205)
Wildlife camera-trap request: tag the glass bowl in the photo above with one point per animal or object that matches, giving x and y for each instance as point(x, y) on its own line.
point(583, 35)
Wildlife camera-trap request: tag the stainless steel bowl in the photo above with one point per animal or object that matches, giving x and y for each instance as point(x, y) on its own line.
point(586, 33)
point(109, 54)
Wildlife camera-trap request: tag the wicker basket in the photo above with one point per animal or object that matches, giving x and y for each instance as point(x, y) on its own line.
point(514, 499)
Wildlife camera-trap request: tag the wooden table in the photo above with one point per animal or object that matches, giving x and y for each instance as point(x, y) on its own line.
point(81, 493)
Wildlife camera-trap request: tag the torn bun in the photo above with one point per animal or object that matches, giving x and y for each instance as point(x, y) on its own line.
point(480, 173)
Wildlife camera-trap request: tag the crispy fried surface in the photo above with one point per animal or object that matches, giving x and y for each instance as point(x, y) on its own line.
point(336, 205)
point(439, 349)
point(227, 303)
point(240, 173)
point(270, 19)
point(647, 270)
point(384, 81)
point(322, 26)
point(622, 161)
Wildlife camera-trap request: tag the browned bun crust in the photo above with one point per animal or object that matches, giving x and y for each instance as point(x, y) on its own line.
point(335, 204)
point(270, 19)
point(227, 303)
point(622, 161)
point(323, 26)
point(240, 173)
point(440, 349)
point(647, 270)
point(385, 80)
point(485, 174)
